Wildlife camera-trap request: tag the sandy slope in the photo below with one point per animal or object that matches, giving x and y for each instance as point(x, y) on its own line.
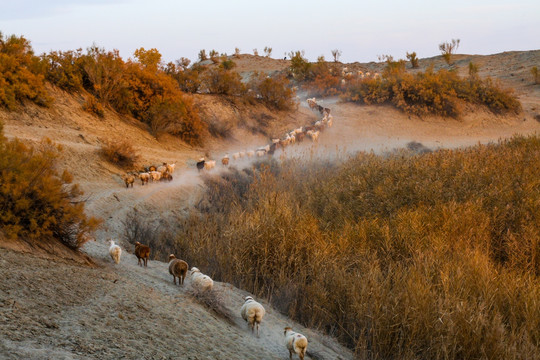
point(58, 310)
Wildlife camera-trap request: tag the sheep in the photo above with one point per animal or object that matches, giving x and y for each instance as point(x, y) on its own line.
point(242, 154)
point(142, 252)
point(115, 251)
point(163, 168)
point(166, 176)
point(156, 175)
point(170, 167)
point(128, 180)
point(295, 342)
point(209, 165)
point(260, 153)
point(298, 130)
point(145, 177)
point(275, 141)
point(252, 312)
point(314, 135)
point(178, 269)
point(200, 281)
point(326, 111)
point(152, 168)
point(225, 160)
point(312, 103)
point(236, 155)
point(200, 164)
point(273, 148)
point(329, 122)
point(300, 137)
point(320, 109)
point(250, 153)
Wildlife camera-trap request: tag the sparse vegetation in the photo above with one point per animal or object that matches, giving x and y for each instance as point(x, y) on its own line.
point(535, 74)
point(431, 256)
point(202, 55)
point(448, 48)
point(255, 52)
point(36, 202)
point(413, 59)
point(94, 107)
point(267, 51)
point(120, 153)
point(473, 70)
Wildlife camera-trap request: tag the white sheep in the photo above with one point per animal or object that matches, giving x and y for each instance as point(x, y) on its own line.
point(253, 313)
point(260, 152)
point(250, 153)
point(209, 164)
point(200, 281)
point(242, 154)
point(295, 342)
point(170, 167)
point(235, 155)
point(115, 252)
point(314, 135)
point(156, 175)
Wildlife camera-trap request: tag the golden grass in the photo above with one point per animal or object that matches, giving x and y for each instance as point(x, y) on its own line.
point(431, 256)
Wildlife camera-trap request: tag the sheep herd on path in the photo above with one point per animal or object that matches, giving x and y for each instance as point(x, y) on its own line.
point(251, 311)
point(311, 132)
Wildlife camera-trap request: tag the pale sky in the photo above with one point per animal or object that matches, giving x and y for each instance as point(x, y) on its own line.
point(362, 30)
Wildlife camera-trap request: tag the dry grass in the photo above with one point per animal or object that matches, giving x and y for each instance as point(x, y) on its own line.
point(429, 256)
point(119, 153)
point(214, 301)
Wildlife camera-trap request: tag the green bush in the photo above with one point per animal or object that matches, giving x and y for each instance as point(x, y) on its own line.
point(35, 201)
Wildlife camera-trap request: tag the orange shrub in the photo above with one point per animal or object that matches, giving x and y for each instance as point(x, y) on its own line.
point(21, 75)
point(119, 153)
point(35, 201)
point(64, 69)
point(274, 92)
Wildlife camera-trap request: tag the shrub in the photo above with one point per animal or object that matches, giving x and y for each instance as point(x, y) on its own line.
point(120, 153)
point(431, 92)
point(94, 107)
point(64, 69)
point(202, 55)
point(535, 74)
point(228, 64)
point(300, 68)
point(36, 201)
point(274, 92)
point(223, 82)
point(21, 74)
point(214, 56)
point(473, 71)
point(237, 52)
point(413, 59)
point(255, 52)
point(431, 256)
point(267, 51)
point(448, 48)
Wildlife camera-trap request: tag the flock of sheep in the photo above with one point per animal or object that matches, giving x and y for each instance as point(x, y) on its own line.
point(251, 311)
point(294, 136)
point(164, 172)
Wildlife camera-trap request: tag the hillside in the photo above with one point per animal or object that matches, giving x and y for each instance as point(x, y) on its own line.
point(63, 306)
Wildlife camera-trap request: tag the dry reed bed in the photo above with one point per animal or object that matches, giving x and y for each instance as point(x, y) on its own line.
point(403, 256)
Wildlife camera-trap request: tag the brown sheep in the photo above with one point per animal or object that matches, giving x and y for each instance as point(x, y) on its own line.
point(142, 252)
point(178, 269)
point(128, 180)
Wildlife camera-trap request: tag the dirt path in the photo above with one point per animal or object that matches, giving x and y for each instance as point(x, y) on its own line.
point(57, 310)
